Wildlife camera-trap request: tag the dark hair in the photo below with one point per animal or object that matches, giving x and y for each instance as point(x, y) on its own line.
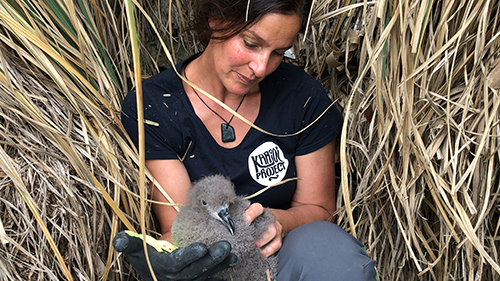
point(232, 15)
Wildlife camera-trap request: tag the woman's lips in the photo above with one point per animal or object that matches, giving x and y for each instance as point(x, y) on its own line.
point(244, 79)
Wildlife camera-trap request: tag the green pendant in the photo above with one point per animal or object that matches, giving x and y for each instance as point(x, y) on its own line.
point(227, 132)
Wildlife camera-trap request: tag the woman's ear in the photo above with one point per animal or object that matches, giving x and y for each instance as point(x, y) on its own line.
point(213, 23)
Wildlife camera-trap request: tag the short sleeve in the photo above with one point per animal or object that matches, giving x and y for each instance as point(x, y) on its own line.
point(322, 117)
point(162, 102)
point(294, 101)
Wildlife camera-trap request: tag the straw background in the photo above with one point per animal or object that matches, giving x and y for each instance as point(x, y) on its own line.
point(417, 81)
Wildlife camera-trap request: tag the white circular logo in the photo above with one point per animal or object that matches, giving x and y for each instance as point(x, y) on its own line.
point(267, 164)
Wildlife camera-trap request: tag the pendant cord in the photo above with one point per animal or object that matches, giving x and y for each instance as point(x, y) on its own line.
point(185, 75)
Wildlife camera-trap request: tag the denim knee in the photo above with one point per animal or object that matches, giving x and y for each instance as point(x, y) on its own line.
point(323, 251)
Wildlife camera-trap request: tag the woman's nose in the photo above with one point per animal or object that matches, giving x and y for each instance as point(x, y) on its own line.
point(259, 64)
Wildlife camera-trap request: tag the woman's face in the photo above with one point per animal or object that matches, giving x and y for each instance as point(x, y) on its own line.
point(242, 61)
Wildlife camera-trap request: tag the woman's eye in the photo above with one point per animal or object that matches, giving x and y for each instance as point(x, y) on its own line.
point(249, 45)
point(279, 53)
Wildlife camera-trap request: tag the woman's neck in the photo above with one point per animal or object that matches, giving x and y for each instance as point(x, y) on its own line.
point(202, 73)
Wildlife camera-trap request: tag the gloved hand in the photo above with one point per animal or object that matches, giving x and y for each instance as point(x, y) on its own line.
point(193, 262)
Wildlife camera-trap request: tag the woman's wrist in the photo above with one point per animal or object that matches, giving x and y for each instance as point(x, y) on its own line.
point(299, 215)
point(167, 236)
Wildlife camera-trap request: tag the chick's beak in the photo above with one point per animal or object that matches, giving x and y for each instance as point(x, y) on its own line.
point(225, 218)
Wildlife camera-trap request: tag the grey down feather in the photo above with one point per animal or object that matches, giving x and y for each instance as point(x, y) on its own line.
point(213, 212)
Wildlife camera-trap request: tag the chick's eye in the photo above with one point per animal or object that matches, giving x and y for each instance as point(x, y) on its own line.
point(203, 202)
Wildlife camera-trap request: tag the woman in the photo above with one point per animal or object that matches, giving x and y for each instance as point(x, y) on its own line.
point(242, 67)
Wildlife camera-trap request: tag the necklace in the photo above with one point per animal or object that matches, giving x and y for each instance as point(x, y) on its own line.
point(227, 131)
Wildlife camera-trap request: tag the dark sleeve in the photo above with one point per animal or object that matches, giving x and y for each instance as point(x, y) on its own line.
point(129, 116)
point(160, 130)
point(315, 101)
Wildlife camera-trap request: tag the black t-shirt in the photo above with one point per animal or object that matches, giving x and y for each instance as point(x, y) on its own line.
point(290, 100)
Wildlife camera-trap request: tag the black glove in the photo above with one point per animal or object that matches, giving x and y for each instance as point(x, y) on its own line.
point(193, 262)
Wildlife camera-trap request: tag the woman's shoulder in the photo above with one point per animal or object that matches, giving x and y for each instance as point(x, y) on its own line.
point(291, 72)
point(157, 88)
point(166, 81)
point(288, 71)
point(289, 78)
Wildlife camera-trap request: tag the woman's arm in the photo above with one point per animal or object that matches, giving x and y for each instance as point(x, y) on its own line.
point(173, 177)
point(314, 198)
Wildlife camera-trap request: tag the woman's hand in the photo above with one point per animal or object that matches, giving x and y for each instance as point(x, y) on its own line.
point(272, 238)
point(192, 262)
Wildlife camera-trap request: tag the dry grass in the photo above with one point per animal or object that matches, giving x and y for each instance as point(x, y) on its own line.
point(417, 81)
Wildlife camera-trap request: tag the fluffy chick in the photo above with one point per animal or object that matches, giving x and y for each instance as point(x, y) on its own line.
point(212, 213)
